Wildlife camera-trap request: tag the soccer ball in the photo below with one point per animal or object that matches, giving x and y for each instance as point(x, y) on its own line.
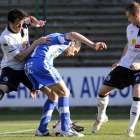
point(57, 128)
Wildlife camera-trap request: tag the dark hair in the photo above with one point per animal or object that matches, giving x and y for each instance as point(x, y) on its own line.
point(133, 8)
point(16, 14)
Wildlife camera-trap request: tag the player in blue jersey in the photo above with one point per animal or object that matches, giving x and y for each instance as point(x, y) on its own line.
point(41, 72)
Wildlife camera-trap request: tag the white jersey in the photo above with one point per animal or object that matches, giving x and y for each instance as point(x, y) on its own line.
point(133, 53)
point(12, 44)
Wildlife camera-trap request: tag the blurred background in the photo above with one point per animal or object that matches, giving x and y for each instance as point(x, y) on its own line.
point(98, 20)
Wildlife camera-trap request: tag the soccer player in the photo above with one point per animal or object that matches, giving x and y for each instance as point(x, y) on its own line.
point(124, 73)
point(16, 48)
point(43, 75)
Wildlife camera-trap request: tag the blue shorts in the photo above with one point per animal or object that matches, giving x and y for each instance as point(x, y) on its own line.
point(40, 74)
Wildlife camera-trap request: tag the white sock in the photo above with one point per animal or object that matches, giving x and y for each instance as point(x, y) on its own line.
point(59, 114)
point(102, 103)
point(134, 114)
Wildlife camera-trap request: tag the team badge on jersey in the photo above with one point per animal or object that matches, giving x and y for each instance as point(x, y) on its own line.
point(133, 41)
point(108, 78)
point(25, 44)
point(131, 32)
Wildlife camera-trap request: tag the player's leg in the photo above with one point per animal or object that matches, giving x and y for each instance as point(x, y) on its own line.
point(134, 111)
point(47, 111)
point(3, 90)
point(73, 125)
point(63, 105)
point(102, 102)
point(9, 81)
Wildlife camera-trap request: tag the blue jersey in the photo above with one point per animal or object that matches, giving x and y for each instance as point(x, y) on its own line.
point(49, 52)
point(39, 66)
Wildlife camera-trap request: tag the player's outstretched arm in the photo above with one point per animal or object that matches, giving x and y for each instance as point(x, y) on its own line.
point(21, 56)
point(83, 39)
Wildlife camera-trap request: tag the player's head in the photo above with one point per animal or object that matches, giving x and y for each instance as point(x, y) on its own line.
point(133, 13)
point(16, 19)
point(73, 48)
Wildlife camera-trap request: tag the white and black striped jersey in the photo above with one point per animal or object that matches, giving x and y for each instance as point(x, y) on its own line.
point(133, 53)
point(12, 44)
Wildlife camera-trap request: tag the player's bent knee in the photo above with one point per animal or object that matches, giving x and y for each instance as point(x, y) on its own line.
point(101, 92)
point(1, 94)
point(53, 97)
point(65, 94)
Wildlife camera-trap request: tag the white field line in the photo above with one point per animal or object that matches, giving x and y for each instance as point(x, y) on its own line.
point(19, 131)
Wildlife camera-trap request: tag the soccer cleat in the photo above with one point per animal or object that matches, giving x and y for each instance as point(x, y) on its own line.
point(130, 133)
point(98, 124)
point(76, 127)
point(70, 133)
point(47, 133)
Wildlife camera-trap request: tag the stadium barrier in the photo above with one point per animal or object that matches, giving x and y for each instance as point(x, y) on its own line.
point(83, 84)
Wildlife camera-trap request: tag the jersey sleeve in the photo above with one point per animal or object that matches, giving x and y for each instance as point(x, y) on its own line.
point(62, 39)
point(127, 30)
point(9, 46)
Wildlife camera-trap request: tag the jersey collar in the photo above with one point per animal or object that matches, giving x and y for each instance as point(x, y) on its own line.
point(10, 29)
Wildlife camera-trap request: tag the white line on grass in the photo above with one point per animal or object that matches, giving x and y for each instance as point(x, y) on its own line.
point(19, 131)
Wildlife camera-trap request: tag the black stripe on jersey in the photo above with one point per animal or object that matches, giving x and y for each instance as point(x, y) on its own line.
point(11, 51)
point(138, 31)
point(5, 44)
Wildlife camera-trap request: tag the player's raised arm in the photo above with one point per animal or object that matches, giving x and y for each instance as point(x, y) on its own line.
point(37, 23)
point(83, 39)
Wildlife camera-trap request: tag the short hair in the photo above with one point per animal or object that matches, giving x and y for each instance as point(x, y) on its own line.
point(77, 43)
point(16, 14)
point(133, 8)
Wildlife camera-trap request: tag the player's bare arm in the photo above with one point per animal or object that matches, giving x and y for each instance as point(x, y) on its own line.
point(37, 23)
point(21, 56)
point(124, 52)
point(83, 39)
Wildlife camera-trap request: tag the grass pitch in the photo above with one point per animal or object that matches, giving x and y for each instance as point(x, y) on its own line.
point(20, 124)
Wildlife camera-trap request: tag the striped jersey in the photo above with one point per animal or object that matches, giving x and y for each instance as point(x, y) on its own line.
point(12, 44)
point(133, 53)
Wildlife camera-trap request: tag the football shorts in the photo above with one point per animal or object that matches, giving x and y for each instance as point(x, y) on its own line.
point(122, 77)
point(40, 73)
point(12, 79)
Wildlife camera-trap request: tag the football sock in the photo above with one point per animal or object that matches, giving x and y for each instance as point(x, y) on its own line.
point(102, 102)
point(63, 105)
point(134, 114)
point(60, 113)
point(46, 115)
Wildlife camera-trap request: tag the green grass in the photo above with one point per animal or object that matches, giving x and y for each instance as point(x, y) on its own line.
point(12, 120)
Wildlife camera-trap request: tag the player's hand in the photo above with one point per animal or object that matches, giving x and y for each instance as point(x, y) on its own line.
point(40, 23)
point(114, 66)
point(33, 94)
point(37, 23)
point(135, 66)
point(99, 46)
point(44, 40)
